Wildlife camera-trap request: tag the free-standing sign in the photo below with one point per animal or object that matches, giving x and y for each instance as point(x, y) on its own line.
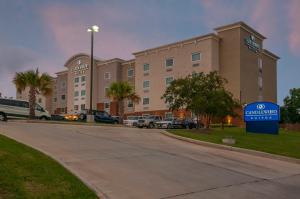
point(261, 111)
point(262, 117)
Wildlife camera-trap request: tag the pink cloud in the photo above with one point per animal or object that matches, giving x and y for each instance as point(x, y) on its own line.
point(294, 26)
point(68, 28)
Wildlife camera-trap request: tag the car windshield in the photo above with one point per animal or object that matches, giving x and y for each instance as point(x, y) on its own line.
point(168, 119)
point(132, 118)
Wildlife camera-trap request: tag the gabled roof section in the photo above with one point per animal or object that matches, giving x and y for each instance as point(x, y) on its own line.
point(240, 24)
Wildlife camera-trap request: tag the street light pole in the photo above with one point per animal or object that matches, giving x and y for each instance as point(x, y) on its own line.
point(90, 116)
point(91, 73)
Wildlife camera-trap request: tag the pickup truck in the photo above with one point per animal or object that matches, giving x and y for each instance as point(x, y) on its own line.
point(149, 121)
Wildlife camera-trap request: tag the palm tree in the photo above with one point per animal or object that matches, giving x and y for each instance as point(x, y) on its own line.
point(119, 91)
point(37, 83)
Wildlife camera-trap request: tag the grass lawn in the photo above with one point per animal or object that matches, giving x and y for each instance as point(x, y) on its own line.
point(27, 173)
point(286, 143)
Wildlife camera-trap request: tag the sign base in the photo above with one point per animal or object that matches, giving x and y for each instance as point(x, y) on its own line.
point(268, 127)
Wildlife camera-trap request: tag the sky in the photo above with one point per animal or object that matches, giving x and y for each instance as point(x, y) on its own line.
point(45, 33)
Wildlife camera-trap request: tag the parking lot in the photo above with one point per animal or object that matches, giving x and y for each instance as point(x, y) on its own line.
point(131, 163)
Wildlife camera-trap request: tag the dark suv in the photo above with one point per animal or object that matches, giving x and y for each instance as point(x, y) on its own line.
point(99, 116)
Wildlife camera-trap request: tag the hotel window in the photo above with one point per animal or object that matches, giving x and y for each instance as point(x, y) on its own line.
point(63, 97)
point(83, 93)
point(169, 80)
point(169, 62)
point(76, 80)
point(196, 56)
point(146, 84)
point(129, 104)
point(107, 75)
point(130, 72)
point(82, 106)
point(82, 78)
point(168, 115)
point(106, 89)
point(76, 107)
point(106, 105)
point(146, 101)
point(76, 94)
point(146, 67)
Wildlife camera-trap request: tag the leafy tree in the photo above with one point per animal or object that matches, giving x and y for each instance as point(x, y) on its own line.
point(290, 112)
point(37, 83)
point(119, 91)
point(203, 94)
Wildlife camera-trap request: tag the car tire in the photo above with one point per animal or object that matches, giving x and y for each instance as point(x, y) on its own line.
point(3, 117)
point(151, 125)
point(81, 117)
point(169, 126)
point(43, 118)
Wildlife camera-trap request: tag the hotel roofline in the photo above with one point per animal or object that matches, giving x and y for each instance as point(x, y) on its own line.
point(242, 25)
point(182, 42)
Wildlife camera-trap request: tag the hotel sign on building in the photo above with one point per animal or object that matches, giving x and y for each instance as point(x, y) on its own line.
point(252, 44)
point(81, 68)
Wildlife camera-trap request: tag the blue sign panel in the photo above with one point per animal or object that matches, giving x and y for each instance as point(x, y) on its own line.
point(261, 111)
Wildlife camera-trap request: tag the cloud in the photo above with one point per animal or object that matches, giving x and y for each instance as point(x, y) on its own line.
point(68, 25)
point(294, 26)
point(18, 59)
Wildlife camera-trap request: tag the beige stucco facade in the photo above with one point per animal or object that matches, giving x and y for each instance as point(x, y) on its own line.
point(235, 51)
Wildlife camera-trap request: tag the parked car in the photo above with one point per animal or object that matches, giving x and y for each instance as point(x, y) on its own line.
point(132, 120)
point(149, 121)
point(99, 116)
point(170, 123)
point(57, 117)
point(11, 108)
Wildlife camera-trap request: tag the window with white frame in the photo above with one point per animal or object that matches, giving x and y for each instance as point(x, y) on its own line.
point(106, 89)
point(76, 80)
point(146, 67)
point(107, 75)
point(196, 56)
point(169, 80)
point(169, 62)
point(82, 78)
point(83, 93)
point(146, 84)
point(130, 72)
point(76, 94)
point(106, 105)
point(76, 107)
point(146, 101)
point(82, 106)
point(129, 104)
point(168, 115)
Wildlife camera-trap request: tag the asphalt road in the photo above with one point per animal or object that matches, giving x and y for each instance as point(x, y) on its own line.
point(129, 163)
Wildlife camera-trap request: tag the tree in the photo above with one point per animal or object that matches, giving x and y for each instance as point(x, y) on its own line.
point(290, 112)
point(119, 91)
point(37, 83)
point(203, 94)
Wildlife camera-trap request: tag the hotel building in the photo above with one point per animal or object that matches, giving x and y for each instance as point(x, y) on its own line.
point(235, 51)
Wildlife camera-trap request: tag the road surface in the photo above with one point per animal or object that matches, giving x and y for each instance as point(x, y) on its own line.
point(130, 163)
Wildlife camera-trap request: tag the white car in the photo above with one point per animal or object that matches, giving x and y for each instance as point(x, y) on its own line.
point(132, 120)
point(11, 108)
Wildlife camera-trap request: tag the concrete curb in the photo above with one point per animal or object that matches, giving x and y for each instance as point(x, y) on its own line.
point(66, 123)
point(230, 148)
